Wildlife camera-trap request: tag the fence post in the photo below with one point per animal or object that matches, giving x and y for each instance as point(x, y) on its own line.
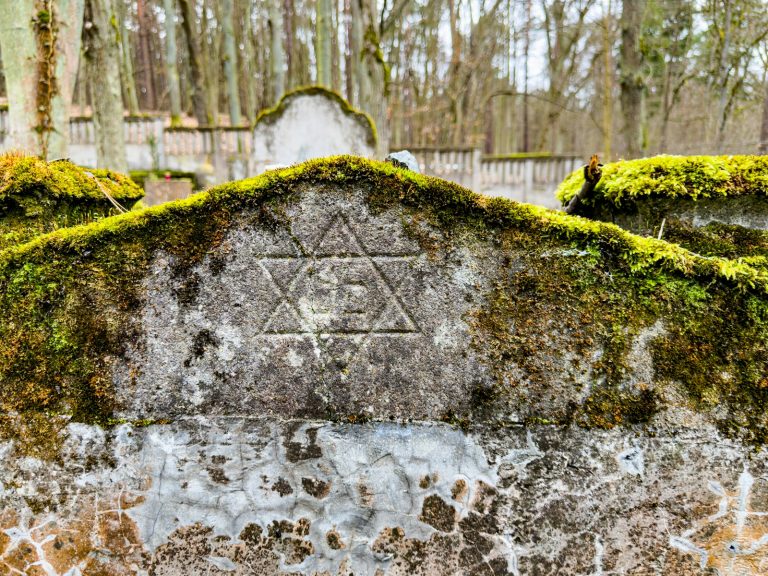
point(528, 178)
point(475, 176)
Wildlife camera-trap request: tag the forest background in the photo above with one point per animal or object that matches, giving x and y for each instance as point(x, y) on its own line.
point(624, 78)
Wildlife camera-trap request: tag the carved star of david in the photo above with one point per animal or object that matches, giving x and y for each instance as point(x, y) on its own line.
point(337, 287)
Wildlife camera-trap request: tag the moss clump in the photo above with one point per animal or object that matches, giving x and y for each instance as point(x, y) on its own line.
point(565, 287)
point(691, 177)
point(38, 197)
point(271, 115)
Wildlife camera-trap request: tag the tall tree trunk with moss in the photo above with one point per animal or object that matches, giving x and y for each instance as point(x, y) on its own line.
point(170, 62)
point(19, 48)
point(103, 69)
point(199, 101)
point(40, 42)
point(323, 32)
point(277, 52)
point(631, 81)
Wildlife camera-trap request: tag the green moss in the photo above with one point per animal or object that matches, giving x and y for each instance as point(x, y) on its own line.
point(271, 115)
point(38, 197)
point(691, 177)
point(718, 239)
point(565, 287)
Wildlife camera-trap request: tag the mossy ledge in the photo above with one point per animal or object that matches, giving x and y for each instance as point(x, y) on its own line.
point(711, 205)
point(38, 197)
point(565, 284)
point(690, 177)
point(271, 115)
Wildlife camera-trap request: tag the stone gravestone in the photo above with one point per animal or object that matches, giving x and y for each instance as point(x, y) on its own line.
point(347, 368)
point(157, 191)
point(310, 123)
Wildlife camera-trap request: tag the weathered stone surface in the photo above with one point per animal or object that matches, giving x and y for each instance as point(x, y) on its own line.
point(310, 123)
point(199, 497)
point(350, 369)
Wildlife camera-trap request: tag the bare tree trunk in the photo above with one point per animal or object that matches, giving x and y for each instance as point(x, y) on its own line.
point(608, 86)
point(170, 62)
point(145, 55)
point(103, 60)
point(631, 81)
point(211, 58)
point(277, 53)
point(526, 54)
point(289, 40)
point(356, 44)
point(764, 125)
point(128, 81)
point(249, 65)
point(722, 100)
point(323, 31)
point(230, 64)
point(199, 101)
point(69, 17)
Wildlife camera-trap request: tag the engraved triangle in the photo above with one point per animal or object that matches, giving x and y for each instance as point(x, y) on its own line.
point(339, 240)
point(395, 270)
point(284, 320)
point(283, 271)
point(394, 319)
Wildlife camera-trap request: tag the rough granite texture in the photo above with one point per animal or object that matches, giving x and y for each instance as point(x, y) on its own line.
point(342, 385)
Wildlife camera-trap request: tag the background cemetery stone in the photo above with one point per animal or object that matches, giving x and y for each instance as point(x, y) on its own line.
point(310, 123)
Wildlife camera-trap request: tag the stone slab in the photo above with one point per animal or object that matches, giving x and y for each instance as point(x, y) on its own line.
point(347, 368)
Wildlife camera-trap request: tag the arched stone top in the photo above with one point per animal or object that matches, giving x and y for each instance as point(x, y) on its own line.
point(311, 122)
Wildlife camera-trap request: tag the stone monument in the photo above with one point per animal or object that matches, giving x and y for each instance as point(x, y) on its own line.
point(310, 123)
point(348, 368)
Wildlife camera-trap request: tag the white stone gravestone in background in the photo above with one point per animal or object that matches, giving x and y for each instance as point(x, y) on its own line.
point(310, 123)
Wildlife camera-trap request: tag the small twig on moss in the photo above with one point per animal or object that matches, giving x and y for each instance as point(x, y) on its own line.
point(592, 173)
point(104, 191)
